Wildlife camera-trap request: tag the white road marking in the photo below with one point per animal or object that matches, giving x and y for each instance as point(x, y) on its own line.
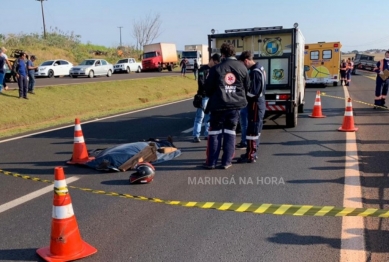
point(31, 196)
point(190, 129)
point(91, 121)
point(352, 237)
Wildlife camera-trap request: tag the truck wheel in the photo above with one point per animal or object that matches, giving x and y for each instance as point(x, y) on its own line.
point(139, 70)
point(128, 70)
point(169, 68)
point(160, 69)
point(335, 83)
point(291, 118)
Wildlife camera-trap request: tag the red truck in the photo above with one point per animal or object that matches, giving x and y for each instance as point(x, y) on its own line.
point(159, 56)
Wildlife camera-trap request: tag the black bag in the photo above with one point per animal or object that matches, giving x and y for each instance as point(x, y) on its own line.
point(198, 101)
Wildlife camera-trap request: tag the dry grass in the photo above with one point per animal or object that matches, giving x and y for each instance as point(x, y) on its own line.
point(57, 105)
point(377, 57)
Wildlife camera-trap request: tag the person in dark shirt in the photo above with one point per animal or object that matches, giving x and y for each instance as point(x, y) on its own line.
point(226, 87)
point(183, 64)
point(31, 74)
point(195, 68)
point(21, 74)
point(200, 115)
point(256, 106)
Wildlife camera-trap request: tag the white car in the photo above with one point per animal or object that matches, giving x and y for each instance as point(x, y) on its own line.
point(92, 68)
point(127, 65)
point(52, 68)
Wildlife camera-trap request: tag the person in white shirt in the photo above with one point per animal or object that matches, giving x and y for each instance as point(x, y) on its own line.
point(2, 53)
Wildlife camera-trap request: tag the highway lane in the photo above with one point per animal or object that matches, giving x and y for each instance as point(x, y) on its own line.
point(42, 82)
point(308, 158)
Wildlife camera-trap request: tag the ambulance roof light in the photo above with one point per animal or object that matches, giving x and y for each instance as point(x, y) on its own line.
point(252, 29)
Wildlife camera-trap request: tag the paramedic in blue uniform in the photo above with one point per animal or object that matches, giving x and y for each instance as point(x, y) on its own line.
point(226, 87)
point(256, 106)
point(381, 87)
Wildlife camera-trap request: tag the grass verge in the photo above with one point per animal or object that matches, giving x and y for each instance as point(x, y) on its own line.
point(58, 105)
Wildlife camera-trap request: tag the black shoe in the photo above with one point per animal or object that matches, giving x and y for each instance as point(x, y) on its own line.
point(243, 159)
point(207, 166)
point(241, 146)
point(25, 97)
point(196, 139)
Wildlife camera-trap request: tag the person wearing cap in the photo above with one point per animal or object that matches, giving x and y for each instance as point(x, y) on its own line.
point(31, 74)
point(2, 53)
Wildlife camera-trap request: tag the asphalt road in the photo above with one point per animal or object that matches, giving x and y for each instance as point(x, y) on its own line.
point(42, 82)
point(310, 159)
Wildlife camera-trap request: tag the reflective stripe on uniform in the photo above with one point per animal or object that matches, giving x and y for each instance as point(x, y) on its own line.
point(231, 132)
point(252, 137)
point(214, 132)
point(62, 212)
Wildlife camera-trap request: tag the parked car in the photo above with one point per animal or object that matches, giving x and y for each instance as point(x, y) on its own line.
point(52, 68)
point(127, 65)
point(365, 62)
point(92, 68)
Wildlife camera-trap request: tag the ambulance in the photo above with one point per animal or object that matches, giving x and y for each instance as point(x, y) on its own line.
point(322, 63)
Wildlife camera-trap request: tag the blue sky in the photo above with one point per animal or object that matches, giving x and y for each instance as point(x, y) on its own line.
point(357, 24)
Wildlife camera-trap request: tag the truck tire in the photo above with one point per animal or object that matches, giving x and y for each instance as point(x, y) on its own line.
point(335, 83)
point(128, 70)
point(291, 118)
point(159, 69)
point(139, 70)
point(169, 68)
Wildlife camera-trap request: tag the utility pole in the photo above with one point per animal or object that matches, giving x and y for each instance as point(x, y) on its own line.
point(120, 28)
point(43, 17)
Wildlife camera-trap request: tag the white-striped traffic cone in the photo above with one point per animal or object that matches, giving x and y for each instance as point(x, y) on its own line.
point(65, 240)
point(80, 152)
point(348, 119)
point(316, 112)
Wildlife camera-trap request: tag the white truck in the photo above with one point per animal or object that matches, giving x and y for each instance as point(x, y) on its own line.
point(127, 65)
point(281, 52)
point(196, 52)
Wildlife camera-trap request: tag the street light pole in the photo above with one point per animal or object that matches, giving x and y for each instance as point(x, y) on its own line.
point(43, 18)
point(120, 28)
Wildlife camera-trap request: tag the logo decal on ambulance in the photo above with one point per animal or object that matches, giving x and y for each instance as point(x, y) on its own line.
point(229, 78)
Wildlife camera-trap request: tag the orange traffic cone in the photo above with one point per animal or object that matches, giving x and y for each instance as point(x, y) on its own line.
point(80, 153)
point(65, 241)
point(348, 120)
point(316, 112)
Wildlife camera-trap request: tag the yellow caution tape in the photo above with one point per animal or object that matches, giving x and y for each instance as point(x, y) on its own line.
point(273, 209)
point(356, 101)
